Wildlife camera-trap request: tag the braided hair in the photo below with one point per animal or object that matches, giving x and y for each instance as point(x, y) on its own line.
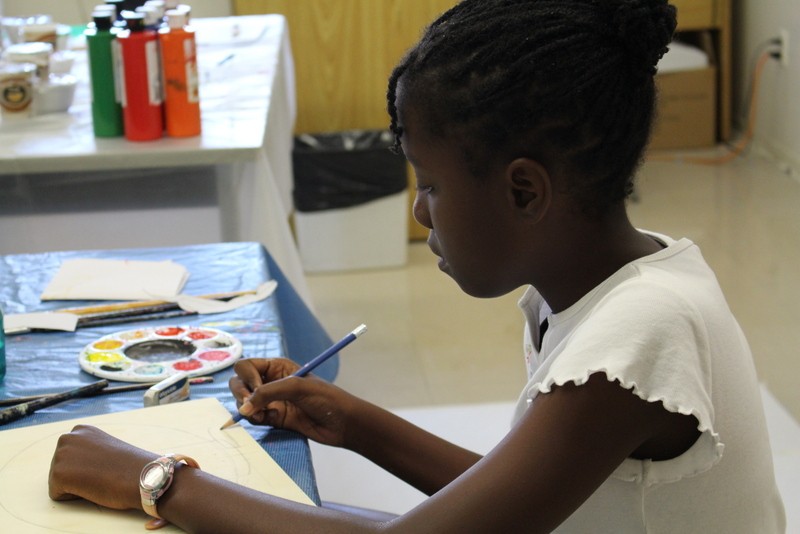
point(566, 82)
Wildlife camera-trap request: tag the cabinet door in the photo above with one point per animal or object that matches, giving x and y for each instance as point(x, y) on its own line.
point(694, 14)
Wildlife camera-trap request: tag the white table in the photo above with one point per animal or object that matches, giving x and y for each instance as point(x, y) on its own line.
point(248, 108)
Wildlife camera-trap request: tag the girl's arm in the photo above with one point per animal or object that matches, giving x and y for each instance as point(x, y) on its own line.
point(329, 415)
point(569, 441)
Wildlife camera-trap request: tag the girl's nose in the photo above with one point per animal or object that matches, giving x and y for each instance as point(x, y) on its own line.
point(420, 211)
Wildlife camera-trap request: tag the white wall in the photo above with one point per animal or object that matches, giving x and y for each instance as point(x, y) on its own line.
point(778, 124)
point(75, 12)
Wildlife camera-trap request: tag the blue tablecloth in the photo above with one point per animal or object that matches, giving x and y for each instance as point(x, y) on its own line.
point(47, 362)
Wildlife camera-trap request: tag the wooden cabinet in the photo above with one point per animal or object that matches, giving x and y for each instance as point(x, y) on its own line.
point(714, 17)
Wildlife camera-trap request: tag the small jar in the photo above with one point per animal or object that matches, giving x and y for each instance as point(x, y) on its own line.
point(16, 90)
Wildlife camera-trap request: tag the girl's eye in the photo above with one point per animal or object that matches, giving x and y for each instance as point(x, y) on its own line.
point(424, 188)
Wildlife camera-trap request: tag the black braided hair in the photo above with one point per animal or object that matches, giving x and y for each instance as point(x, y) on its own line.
point(567, 82)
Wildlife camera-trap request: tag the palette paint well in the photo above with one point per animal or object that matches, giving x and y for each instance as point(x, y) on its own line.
point(153, 354)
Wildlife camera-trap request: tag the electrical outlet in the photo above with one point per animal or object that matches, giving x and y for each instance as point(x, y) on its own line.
point(783, 36)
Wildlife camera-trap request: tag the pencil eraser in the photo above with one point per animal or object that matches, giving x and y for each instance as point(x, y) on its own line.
point(172, 389)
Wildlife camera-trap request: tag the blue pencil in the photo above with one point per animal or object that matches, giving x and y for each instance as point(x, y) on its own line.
point(313, 364)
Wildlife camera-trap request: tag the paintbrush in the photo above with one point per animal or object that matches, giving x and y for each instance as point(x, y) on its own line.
point(132, 305)
point(130, 318)
point(21, 410)
point(105, 391)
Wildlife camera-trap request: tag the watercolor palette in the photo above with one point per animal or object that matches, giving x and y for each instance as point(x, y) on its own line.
point(153, 354)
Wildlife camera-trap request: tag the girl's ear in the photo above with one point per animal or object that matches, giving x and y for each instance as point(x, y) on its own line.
point(530, 187)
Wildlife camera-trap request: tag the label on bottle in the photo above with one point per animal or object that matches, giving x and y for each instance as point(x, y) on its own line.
point(192, 78)
point(154, 90)
point(119, 73)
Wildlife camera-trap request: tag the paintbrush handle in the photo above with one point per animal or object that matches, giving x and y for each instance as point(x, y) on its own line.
point(103, 321)
point(17, 412)
point(105, 391)
point(132, 305)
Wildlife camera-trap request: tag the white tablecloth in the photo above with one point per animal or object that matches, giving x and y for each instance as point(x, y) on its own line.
point(248, 105)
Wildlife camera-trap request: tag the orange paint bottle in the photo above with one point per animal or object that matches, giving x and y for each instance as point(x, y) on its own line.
point(181, 84)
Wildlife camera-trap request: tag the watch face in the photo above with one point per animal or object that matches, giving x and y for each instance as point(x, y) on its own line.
point(155, 476)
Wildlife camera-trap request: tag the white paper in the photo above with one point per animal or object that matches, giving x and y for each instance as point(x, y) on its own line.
point(21, 322)
point(189, 427)
point(96, 279)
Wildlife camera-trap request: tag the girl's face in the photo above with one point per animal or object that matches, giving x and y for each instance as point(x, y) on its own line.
point(468, 217)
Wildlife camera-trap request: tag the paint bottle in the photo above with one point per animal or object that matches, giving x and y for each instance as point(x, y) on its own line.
point(103, 73)
point(181, 85)
point(142, 103)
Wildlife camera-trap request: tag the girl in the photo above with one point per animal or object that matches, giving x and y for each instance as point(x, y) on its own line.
point(525, 121)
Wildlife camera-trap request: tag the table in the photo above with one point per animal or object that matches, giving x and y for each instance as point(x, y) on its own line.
point(247, 94)
point(47, 362)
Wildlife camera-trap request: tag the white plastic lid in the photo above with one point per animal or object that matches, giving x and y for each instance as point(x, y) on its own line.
point(151, 15)
point(158, 4)
point(16, 70)
point(176, 18)
point(37, 53)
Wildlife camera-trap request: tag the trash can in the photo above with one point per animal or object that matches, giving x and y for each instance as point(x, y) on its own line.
point(351, 201)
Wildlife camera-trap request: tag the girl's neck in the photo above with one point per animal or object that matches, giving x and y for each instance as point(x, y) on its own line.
point(589, 252)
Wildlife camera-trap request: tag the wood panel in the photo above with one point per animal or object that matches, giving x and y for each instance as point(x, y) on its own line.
point(694, 14)
point(344, 52)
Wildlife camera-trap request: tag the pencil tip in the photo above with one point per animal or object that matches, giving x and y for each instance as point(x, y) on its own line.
point(227, 424)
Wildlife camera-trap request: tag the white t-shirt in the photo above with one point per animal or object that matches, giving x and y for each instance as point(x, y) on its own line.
point(661, 327)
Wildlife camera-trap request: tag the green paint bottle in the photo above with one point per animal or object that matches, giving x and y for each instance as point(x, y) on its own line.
point(103, 71)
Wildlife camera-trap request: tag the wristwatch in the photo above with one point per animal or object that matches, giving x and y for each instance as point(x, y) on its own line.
point(155, 480)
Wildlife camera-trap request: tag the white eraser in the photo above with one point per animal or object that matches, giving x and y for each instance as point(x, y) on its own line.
point(172, 389)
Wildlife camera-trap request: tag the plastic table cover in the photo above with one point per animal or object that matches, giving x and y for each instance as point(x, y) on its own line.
point(281, 325)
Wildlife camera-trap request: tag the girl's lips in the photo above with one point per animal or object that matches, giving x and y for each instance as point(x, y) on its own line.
point(435, 249)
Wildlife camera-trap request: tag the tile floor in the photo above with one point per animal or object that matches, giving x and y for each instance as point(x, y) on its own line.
point(439, 356)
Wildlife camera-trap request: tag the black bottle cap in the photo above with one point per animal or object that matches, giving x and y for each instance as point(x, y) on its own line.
point(133, 21)
point(102, 20)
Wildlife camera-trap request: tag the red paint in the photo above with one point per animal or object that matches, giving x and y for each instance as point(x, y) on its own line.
point(169, 331)
point(201, 334)
point(188, 365)
point(142, 100)
point(215, 355)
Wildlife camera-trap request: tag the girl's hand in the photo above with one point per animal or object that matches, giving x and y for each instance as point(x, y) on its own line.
point(90, 464)
point(267, 394)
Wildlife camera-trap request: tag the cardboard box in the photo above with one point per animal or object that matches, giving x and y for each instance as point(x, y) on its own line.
point(686, 113)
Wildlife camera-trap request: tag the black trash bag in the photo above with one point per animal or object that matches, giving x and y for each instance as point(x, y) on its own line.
point(345, 169)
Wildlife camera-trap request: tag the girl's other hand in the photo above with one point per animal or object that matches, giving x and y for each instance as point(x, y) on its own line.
point(267, 394)
point(93, 465)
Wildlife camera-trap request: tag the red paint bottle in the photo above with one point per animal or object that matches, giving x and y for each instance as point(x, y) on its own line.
point(142, 100)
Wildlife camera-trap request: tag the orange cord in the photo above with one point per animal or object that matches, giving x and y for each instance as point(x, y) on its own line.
point(742, 144)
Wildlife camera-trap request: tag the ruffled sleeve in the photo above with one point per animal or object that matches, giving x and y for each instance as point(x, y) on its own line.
point(655, 343)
